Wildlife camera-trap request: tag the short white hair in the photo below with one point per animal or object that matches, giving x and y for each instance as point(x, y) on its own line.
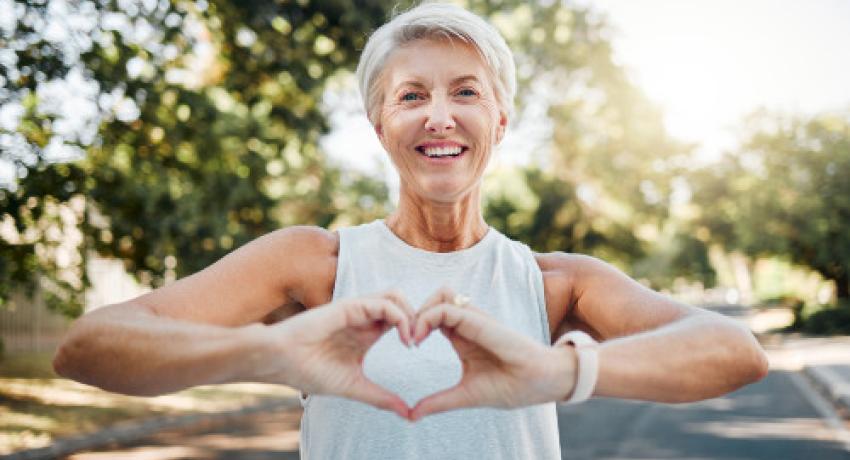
point(435, 20)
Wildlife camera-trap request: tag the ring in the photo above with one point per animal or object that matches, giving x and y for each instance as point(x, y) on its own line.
point(460, 301)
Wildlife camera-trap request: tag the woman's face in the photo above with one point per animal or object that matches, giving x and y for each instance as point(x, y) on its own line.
point(440, 119)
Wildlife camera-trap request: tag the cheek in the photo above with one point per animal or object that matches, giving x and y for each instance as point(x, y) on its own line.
point(391, 128)
point(483, 126)
point(397, 120)
point(484, 119)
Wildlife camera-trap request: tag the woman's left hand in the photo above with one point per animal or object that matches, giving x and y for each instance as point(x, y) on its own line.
point(501, 367)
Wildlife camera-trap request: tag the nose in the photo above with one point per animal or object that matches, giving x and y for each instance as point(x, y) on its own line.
point(440, 118)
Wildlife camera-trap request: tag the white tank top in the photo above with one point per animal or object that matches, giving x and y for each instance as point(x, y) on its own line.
point(500, 276)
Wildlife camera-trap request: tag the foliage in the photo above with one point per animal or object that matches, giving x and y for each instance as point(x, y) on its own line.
point(557, 220)
point(676, 256)
point(609, 163)
point(826, 320)
point(785, 193)
point(202, 129)
point(205, 137)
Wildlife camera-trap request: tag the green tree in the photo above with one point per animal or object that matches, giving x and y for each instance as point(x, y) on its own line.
point(207, 122)
point(206, 135)
point(784, 193)
point(607, 166)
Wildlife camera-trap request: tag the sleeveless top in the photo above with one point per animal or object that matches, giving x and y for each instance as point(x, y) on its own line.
point(500, 276)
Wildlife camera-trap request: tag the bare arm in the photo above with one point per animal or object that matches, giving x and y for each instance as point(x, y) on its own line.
point(654, 348)
point(204, 328)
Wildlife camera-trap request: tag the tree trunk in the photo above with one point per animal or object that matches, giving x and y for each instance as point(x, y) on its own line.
point(842, 286)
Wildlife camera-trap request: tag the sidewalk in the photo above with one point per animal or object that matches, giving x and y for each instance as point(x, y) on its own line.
point(824, 361)
point(125, 433)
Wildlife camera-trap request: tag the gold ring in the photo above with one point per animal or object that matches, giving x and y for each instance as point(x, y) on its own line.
point(460, 301)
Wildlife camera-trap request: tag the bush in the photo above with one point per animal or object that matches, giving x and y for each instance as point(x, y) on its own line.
point(795, 304)
point(828, 320)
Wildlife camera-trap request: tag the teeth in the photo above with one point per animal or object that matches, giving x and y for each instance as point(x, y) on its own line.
point(442, 151)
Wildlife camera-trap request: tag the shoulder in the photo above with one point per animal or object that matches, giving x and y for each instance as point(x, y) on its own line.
point(577, 271)
point(564, 264)
point(307, 239)
point(565, 277)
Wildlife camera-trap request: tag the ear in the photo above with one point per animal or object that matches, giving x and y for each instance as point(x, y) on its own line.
point(379, 131)
point(502, 126)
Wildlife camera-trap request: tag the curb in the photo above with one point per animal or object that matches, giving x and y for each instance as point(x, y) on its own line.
point(132, 430)
point(832, 385)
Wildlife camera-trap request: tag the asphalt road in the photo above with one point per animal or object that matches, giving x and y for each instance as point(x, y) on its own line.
point(774, 419)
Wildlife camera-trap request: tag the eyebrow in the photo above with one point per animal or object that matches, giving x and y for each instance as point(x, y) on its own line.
point(455, 81)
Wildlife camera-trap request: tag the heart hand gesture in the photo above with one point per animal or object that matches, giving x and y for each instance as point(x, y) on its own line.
point(324, 348)
point(324, 351)
point(501, 368)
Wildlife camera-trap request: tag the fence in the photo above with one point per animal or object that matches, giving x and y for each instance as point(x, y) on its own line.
point(27, 325)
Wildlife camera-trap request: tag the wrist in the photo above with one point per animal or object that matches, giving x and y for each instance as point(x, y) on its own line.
point(585, 352)
point(261, 358)
point(566, 371)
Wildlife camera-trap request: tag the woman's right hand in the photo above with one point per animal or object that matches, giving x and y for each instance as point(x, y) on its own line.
point(322, 350)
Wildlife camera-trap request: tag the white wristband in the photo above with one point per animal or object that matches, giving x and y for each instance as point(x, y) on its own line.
point(587, 351)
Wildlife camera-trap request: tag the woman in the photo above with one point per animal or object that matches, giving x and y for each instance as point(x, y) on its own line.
point(438, 84)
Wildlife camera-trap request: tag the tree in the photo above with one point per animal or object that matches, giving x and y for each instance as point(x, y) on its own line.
point(205, 135)
point(784, 193)
point(204, 122)
point(608, 163)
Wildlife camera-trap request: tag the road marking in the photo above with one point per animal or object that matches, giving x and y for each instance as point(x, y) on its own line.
point(824, 408)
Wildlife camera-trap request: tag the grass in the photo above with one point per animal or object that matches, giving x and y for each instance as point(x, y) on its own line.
point(35, 365)
point(37, 406)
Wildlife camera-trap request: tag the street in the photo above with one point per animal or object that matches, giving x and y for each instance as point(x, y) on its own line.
point(773, 419)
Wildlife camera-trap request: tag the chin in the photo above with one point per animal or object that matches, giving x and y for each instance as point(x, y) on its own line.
point(444, 192)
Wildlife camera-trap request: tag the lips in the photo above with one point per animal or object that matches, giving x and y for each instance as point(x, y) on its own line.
point(441, 149)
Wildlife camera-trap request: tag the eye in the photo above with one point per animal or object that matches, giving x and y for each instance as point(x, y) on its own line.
point(467, 92)
point(409, 96)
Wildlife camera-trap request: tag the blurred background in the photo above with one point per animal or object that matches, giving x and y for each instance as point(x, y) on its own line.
point(701, 146)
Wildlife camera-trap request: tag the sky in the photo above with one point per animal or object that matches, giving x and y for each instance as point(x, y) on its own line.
point(709, 63)
point(705, 63)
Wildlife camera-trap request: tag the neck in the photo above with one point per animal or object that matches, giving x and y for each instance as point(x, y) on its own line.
point(438, 227)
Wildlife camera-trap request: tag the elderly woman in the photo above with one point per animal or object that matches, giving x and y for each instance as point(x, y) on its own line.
point(473, 314)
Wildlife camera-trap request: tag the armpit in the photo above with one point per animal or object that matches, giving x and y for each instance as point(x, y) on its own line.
point(570, 323)
point(281, 313)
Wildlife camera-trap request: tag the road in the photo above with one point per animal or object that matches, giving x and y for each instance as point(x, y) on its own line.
point(773, 419)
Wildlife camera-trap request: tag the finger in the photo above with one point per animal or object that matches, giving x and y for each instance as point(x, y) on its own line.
point(437, 316)
point(443, 295)
point(449, 399)
point(381, 309)
point(471, 324)
point(375, 395)
point(359, 312)
point(396, 297)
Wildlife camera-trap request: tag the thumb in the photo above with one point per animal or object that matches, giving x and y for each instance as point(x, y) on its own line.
point(375, 395)
point(451, 398)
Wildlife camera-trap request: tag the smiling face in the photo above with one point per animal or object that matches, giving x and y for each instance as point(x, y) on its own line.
point(440, 118)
